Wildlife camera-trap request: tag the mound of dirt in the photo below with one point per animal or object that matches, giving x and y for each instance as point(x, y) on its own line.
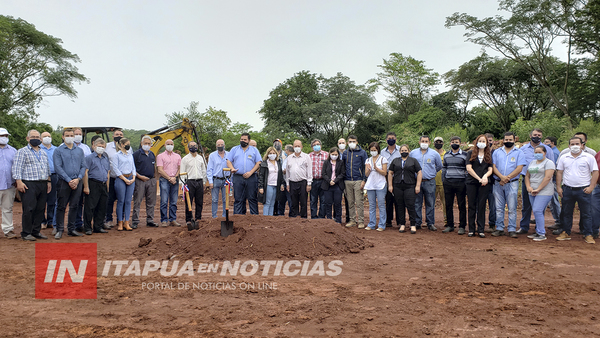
point(255, 237)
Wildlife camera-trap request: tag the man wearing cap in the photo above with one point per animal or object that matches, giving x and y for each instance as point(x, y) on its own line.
point(438, 143)
point(391, 152)
point(48, 148)
point(7, 184)
point(31, 172)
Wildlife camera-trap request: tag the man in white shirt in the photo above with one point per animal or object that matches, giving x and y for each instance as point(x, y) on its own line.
point(576, 178)
point(298, 176)
point(195, 166)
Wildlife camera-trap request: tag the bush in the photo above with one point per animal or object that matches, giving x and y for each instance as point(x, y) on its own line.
point(546, 121)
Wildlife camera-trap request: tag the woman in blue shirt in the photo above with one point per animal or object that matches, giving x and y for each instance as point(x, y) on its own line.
point(123, 166)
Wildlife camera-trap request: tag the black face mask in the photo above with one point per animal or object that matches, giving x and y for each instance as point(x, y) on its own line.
point(193, 149)
point(277, 147)
point(536, 140)
point(127, 147)
point(391, 142)
point(117, 139)
point(438, 145)
point(509, 144)
point(455, 146)
point(404, 155)
point(35, 142)
point(243, 144)
point(220, 148)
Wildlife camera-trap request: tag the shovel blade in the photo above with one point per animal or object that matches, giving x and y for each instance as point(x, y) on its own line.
point(226, 228)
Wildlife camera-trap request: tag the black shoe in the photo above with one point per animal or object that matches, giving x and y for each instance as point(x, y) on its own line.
point(461, 231)
point(39, 236)
point(190, 226)
point(134, 225)
point(88, 232)
point(481, 235)
point(557, 232)
point(101, 231)
point(151, 224)
point(522, 232)
point(431, 227)
point(513, 234)
point(79, 229)
point(497, 233)
point(28, 238)
point(556, 226)
point(419, 227)
point(532, 221)
point(448, 229)
point(74, 233)
point(58, 235)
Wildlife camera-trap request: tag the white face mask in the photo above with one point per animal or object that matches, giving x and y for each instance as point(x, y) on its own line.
point(575, 149)
point(69, 140)
point(99, 150)
point(4, 140)
point(352, 145)
point(47, 140)
point(272, 157)
point(374, 153)
point(78, 138)
point(334, 157)
point(297, 150)
point(146, 147)
point(481, 145)
point(169, 147)
point(424, 146)
point(342, 146)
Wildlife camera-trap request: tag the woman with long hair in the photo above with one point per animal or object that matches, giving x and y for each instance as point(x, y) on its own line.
point(123, 166)
point(333, 184)
point(270, 181)
point(478, 183)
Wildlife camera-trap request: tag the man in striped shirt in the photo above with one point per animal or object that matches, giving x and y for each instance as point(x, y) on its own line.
point(317, 157)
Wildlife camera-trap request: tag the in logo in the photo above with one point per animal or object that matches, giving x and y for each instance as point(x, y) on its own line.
point(65, 270)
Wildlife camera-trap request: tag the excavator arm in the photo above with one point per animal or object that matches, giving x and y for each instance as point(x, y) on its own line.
point(186, 130)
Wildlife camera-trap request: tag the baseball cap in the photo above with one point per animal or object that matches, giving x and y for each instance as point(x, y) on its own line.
point(277, 140)
point(3, 131)
point(438, 139)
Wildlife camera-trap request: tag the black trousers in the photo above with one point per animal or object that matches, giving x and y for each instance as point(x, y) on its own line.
point(346, 207)
point(477, 196)
point(299, 198)
point(65, 195)
point(405, 197)
point(316, 199)
point(459, 190)
point(94, 207)
point(112, 197)
point(33, 202)
point(390, 206)
point(197, 197)
point(333, 197)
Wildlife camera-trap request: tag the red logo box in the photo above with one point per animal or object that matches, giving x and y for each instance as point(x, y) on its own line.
point(66, 270)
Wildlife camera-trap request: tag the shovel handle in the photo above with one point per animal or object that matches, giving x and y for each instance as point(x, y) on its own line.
point(187, 195)
point(227, 189)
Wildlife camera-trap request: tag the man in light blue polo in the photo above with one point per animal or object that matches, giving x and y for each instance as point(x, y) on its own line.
point(431, 163)
point(528, 149)
point(508, 164)
point(217, 160)
point(244, 160)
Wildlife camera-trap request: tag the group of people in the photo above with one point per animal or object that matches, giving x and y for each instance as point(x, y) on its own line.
point(395, 179)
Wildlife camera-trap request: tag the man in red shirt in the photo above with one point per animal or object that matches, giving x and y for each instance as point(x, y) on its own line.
point(317, 157)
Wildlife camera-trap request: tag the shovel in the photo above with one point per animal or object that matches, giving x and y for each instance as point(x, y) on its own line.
point(186, 197)
point(227, 225)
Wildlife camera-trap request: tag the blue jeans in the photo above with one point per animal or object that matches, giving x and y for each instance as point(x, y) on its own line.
point(596, 210)
point(555, 207)
point(538, 206)
point(124, 196)
point(570, 196)
point(427, 190)
point(526, 208)
point(271, 194)
point(377, 201)
point(218, 186)
point(168, 200)
point(506, 195)
point(316, 200)
point(245, 188)
point(492, 205)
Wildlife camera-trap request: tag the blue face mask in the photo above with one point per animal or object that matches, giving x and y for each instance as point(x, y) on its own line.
point(538, 156)
point(317, 148)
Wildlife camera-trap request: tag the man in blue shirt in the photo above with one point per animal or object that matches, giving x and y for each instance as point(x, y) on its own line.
point(554, 203)
point(528, 149)
point(391, 152)
point(95, 187)
point(508, 164)
point(217, 160)
point(145, 183)
point(48, 148)
point(7, 184)
point(69, 164)
point(244, 160)
point(431, 163)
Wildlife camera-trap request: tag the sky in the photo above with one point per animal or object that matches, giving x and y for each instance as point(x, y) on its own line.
point(149, 58)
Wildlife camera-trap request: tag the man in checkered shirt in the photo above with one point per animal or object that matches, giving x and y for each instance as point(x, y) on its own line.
point(317, 156)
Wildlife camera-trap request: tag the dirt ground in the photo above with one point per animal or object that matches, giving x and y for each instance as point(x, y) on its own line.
point(392, 285)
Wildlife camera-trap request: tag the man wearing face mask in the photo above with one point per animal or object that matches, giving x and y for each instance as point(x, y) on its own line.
point(31, 172)
point(584, 148)
point(244, 160)
point(431, 163)
point(576, 178)
point(355, 158)
point(298, 177)
point(48, 148)
point(145, 183)
point(217, 160)
point(317, 157)
point(95, 188)
point(536, 138)
point(194, 165)
point(508, 162)
point(438, 143)
point(168, 164)
point(78, 142)
point(391, 152)
point(342, 147)
point(7, 184)
point(69, 163)
point(111, 150)
point(454, 175)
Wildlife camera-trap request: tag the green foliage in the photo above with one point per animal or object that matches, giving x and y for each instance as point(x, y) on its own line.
point(481, 120)
point(546, 121)
point(210, 125)
point(427, 120)
point(447, 132)
point(406, 135)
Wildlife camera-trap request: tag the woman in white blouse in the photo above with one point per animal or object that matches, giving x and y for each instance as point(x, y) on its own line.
point(270, 181)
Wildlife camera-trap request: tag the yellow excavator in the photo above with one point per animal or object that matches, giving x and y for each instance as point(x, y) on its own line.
point(185, 129)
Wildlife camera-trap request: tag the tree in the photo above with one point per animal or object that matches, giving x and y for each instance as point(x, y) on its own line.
point(33, 65)
point(407, 82)
point(586, 28)
point(210, 125)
